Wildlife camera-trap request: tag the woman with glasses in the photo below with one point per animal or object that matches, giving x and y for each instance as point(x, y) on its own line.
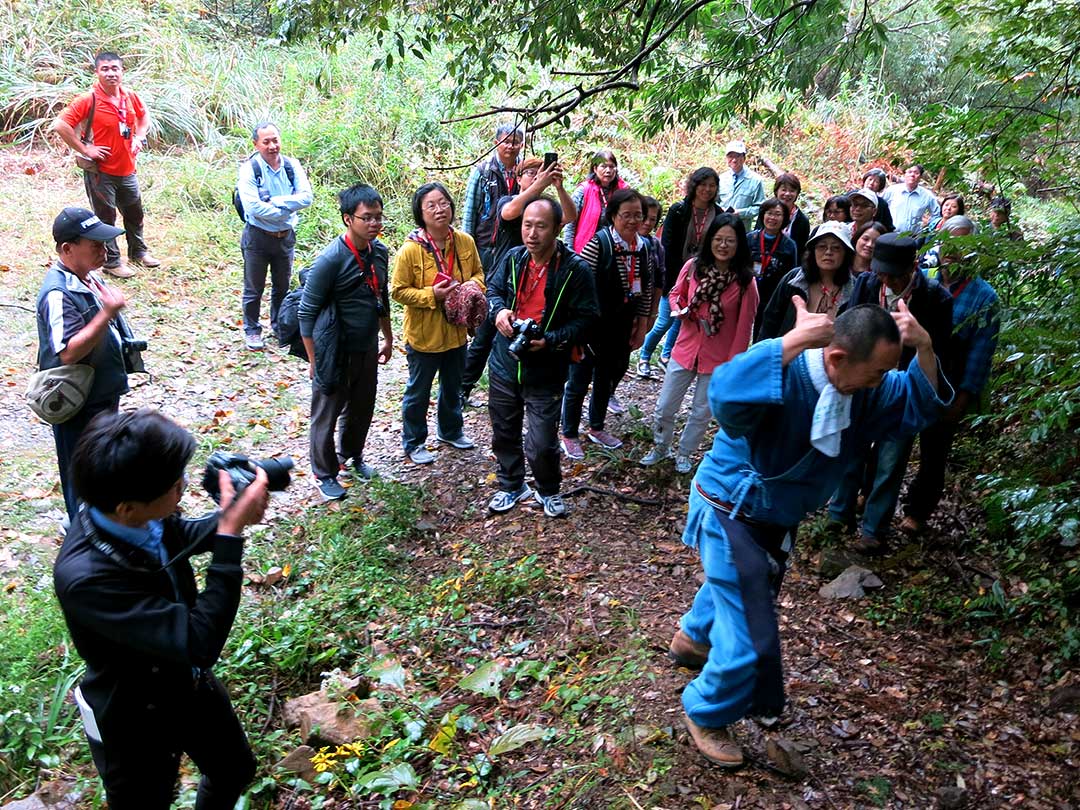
point(682, 237)
point(823, 282)
point(774, 254)
point(837, 209)
point(623, 273)
point(592, 199)
point(433, 261)
point(716, 299)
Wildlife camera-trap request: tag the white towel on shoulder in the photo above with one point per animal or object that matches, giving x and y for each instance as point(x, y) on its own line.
point(832, 414)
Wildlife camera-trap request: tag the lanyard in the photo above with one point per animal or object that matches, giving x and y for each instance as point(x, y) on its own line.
point(767, 260)
point(630, 264)
point(959, 288)
point(121, 111)
point(534, 274)
point(603, 198)
point(442, 264)
point(366, 265)
point(699, 225)
point(905, 295)
point(829, 298)
point(510, 178)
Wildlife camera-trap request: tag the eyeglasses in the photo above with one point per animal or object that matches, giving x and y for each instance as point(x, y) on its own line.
point(529, 173)
point(628, 217)
point(828, 247)
point(725, 242)
point(445, 205)
point(368, 219)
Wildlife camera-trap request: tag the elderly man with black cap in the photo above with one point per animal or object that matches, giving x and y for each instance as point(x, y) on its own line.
point(741, 190)
point(75, 321)
point(894, 277)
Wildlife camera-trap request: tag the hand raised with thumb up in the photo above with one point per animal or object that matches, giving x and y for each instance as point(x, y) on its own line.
point(911, 332)
point(815, 328)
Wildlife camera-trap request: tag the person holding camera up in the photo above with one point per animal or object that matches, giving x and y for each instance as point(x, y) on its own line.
point(76, 311)
point(148, 637)
point(543, 300)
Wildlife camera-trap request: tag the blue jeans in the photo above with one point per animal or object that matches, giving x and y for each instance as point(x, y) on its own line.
point(664, 324)
point(414, 403)
point(891, 461)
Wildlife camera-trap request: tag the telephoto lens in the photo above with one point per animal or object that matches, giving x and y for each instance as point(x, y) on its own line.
point(241, 470)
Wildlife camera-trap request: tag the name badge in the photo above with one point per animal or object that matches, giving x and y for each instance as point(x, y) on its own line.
point(757, 269)
point(635, 288)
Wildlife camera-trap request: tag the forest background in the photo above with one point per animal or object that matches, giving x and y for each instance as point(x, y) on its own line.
point(382, 91)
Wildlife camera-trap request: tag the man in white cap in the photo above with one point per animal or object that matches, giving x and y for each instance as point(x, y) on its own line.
point(75, 312)
point(741, 190)
point(864, 205)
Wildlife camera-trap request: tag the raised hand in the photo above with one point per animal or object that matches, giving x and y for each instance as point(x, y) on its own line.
point(815, 328)
point(911, 332)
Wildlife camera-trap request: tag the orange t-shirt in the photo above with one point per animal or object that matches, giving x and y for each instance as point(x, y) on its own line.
point(108, 115)
point(530, 297)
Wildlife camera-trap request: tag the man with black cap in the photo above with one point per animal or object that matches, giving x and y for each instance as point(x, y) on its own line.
point(75, 312)
point(894, 277)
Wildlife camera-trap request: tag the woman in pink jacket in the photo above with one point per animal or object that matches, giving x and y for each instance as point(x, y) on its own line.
point(716, 298)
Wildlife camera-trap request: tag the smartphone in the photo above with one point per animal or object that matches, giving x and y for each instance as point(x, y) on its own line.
point(550, 158)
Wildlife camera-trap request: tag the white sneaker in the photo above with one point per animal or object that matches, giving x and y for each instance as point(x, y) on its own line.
point(421, 455)
point(655, 456)
point(554, 507)
point(503, 501)
point(683, 465)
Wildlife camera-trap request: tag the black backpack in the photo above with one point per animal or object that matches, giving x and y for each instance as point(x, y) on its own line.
point(256, 168)
point(287, 329)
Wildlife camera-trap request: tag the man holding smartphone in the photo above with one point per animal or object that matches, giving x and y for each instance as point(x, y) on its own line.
point(107, 128)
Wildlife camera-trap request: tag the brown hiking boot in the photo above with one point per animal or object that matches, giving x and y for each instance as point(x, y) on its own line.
point(868, 544)
point(715, 744)
point(686, 652)
point(117, 270)
point(911, 526)
point(146, 260)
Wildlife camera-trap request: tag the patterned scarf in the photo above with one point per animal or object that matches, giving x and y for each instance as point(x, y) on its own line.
point(712, 281)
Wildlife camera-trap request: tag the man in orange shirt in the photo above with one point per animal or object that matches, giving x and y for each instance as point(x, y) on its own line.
point(107, 127)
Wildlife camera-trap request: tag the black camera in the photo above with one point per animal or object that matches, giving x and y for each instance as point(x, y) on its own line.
point(131, 348)
point(525, 331)
point(242, 469)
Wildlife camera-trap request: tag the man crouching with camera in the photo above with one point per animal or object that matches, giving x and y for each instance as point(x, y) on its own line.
point(544, 300)
point(149, 638)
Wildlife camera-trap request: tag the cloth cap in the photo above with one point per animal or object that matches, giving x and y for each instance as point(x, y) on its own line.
point(894, 255)
point(78, 223)
point(841, 230)
point(736, 146)
point(865, 193)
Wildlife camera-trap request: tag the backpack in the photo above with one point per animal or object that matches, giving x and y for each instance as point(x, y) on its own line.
point(288, 323)
point(256, 168)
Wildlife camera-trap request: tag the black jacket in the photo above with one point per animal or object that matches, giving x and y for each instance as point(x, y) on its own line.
point(570, 308)
point(930, 303)
point(673, 238)
point(142, 632)
point(800, 232)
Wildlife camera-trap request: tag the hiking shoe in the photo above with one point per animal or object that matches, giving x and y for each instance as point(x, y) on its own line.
point(715, 744)
point(554, 507)
point(683, 465)
point(330, 489)
point(503, 501)
point(461, 442)
point(644, 369)
point(663, 361)
point(686, 652)
point(868, 544)
point(655, 456)
point(615, 407)
point(358, 469)
point(572, 448)
point(254, 341)
point(604, 439)
point(117, 270)
point(420, 455)
point(146, 260)
point(912, 526)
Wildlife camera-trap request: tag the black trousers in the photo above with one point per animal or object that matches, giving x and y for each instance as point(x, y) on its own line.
point(508, 405)
point(476, 357)
point(263, 251)
point(66, 435)
point(923, 495)
point(350, 408)
point(604, 364)
point(140, 768)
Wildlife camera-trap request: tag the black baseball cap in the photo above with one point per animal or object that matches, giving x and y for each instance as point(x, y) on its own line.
point(894, 255)
point(78, 223)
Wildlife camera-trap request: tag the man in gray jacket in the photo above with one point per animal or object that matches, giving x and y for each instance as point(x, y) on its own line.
point(350, 276)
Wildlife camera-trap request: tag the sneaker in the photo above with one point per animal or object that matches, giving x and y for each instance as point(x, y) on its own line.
point(554, 507)
point(503, 501)
point(686, 652)
point(715, 744)
point(644, 369)
point(615, 407)
point(683, 465)
point(663, 361)
point(146, 260)
point(420, 455)
point(655, 456)
point(868, 544)
point(117, 270)
point(254, 341)
point(572, 448)
point(330, 489)
point(604, 439)
point(461, 442)
point(360, 470)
